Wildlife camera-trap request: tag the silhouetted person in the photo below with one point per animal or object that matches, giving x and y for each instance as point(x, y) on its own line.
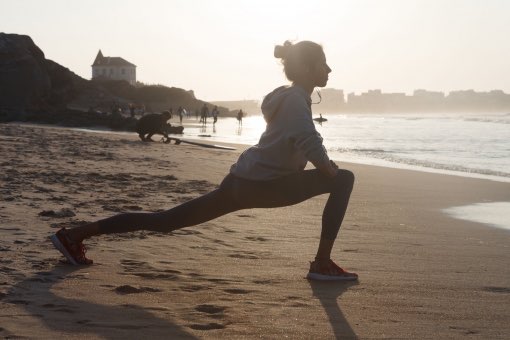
point(204, 114)
point(269, 175)
point(215, 114)
point(240, 115)
point(180, 112)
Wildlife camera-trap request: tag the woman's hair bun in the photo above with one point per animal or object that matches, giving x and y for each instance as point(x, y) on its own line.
point(281, 51)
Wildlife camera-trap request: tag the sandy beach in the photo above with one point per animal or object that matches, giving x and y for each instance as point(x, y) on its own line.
point(423, 274)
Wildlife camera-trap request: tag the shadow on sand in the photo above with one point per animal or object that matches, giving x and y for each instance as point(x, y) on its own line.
point(81, 318)
point(328, 294)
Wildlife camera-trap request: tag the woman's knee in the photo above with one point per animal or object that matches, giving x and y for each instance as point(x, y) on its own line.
point(344, 178)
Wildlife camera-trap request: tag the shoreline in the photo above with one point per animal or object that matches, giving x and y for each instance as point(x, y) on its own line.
point(423, 274)
point(366, 161)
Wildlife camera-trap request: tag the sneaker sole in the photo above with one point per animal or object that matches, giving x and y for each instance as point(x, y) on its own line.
point(322, 277)
point(60, 247)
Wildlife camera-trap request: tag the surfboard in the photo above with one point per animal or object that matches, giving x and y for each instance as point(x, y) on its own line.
point(320, 120)
point(204, 145)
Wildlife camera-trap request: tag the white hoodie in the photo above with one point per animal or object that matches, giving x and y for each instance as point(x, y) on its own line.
point(290, 139)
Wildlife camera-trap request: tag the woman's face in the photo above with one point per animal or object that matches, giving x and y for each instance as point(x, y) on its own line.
point(320, 72)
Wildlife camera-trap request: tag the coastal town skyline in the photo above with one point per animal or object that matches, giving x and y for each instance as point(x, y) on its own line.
point(420, 100)
point(223, 50)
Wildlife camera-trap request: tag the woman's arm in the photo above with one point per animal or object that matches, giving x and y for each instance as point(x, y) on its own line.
point(302, 133)
point(328, 168)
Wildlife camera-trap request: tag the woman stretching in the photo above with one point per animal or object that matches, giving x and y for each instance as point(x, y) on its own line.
point(268, 175)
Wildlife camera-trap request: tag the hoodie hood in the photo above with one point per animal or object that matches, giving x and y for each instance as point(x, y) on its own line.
point(272, 101)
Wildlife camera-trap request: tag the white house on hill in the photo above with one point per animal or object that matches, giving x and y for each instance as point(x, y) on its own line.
point(115, 68)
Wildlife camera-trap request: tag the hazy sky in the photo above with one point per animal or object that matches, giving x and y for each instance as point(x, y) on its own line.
point(223, 49)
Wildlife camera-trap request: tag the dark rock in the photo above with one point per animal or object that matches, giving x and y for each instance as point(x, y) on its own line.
point(31, 83)
point(24, 80)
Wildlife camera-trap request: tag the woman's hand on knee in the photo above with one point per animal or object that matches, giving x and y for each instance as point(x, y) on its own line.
point(328, 168)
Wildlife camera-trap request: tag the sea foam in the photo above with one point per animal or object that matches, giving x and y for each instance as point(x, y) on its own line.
point(495, 214)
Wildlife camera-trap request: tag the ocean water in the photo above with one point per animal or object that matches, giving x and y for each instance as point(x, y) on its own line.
point(471, 145)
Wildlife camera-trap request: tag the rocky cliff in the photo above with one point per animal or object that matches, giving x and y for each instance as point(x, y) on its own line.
point(24, 79)
point(35, 89)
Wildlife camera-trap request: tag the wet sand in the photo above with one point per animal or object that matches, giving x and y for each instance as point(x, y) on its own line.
point(423, 274)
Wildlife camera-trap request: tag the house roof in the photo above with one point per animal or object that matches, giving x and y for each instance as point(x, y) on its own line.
point(110, 61)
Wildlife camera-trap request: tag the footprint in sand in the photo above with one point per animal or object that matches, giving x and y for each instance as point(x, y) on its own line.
point(464, 330)
point(257, 238)
point(9, 228)
point(127, 289)
point(297, 301)
point(210, 309)
point(143, 269)
point(165, 262)
point(223, 243)
point(244, 255)
point(246, 216)
point(264, 282)
point(501, 290)
point(222, 281)
point(5, 269)
point(193, 288)
point(106, 286)
point(207, 327)
point(237, 291)
point(186, 232)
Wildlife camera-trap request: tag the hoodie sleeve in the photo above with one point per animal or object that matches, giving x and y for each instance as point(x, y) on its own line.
point(301, 130)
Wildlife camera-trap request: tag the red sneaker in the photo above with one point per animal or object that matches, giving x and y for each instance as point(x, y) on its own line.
point(74, 252)
point(329, 271)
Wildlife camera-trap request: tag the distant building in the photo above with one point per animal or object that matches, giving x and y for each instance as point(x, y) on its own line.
point(331, 100)
point(115, 68)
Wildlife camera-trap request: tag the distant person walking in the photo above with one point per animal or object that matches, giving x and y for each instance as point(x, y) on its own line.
point(180, 112)
point(268, 175)
point(204, 113)
point(240, 115)
point(215, 114)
